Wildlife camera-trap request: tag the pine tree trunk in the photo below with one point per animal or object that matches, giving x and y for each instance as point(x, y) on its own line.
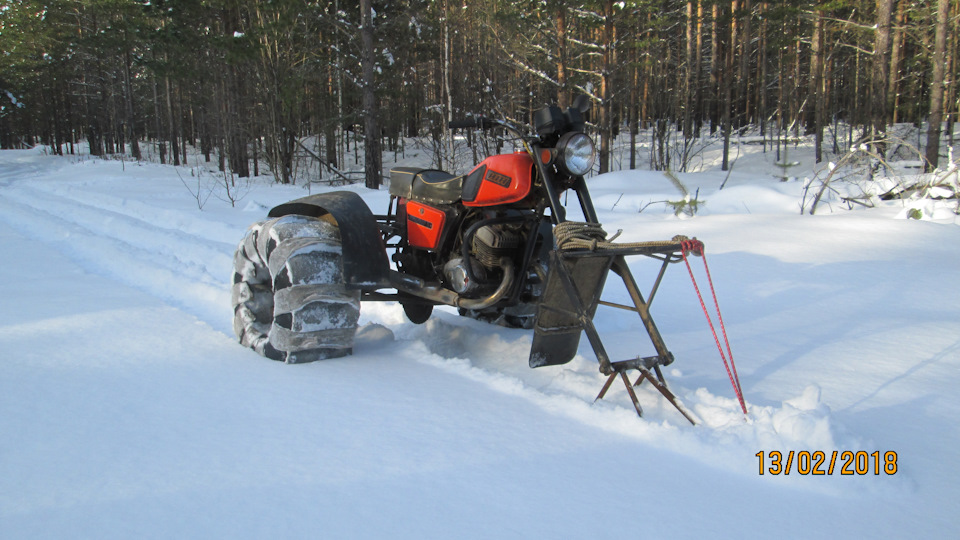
point(606, 88)
point(130, 124)
point(331, 122)
point(815, 92)
point(936, 86)
point(762, 75)
point(698, 65)
point(744, 71)
point(688, 75)
point(371, 132)
point(447, 139)
point(161, 145)
point(728, 86)
point(563, 94)
point(896, 54)
point(881, 71)
point(953, 30)
point(171, 128)
point(715, 67)
point(634, 109)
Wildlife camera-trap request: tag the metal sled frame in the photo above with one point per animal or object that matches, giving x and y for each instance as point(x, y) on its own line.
point(577, 306)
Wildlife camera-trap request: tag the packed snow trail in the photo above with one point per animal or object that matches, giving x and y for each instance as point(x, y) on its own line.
point(168, 264)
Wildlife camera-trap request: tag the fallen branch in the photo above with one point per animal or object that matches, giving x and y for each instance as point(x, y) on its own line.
point(325, 163)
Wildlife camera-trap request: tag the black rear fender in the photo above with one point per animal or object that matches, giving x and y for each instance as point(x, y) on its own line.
point(365, 264)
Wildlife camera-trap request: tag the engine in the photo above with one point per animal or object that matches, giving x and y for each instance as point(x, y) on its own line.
point(488, 245)
point(492, 242)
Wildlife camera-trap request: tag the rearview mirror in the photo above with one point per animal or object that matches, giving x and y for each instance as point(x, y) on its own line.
point(581, 103)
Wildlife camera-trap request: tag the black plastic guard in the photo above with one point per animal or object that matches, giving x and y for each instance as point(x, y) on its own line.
point(556, 332)
point(365, 264)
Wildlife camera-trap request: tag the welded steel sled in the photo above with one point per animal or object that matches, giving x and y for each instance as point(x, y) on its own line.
point(570, 299)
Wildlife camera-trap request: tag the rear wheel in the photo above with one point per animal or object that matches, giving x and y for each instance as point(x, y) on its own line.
point(289, 300)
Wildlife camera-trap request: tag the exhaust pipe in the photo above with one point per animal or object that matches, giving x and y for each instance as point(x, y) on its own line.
point(418, 287)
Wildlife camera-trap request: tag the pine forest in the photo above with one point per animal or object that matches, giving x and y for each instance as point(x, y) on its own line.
point(309, 90)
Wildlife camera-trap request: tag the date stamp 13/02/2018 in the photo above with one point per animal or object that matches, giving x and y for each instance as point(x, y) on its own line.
point(846, 462)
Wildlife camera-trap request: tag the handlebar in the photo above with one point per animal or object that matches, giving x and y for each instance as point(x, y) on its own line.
point(482, 122)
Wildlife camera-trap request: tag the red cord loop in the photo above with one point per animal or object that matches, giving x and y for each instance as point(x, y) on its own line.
point(692, 246)
point(696, 247)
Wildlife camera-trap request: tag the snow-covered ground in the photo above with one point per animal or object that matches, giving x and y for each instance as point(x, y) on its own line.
point(129, 411)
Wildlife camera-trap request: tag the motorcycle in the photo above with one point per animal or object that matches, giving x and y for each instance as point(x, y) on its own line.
point(494, 243)
point(479, 242)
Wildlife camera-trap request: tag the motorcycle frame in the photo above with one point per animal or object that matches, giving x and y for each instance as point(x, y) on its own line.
point(366, 268)
point(410, 288)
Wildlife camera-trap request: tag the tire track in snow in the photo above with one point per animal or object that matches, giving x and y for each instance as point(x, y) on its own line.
point(208, 260)
point(182, 270)
point(16, 168)
point(180, 221)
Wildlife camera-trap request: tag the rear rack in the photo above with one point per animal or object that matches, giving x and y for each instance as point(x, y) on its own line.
point(570, 299)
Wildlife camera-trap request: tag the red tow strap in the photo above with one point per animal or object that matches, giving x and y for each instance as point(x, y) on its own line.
point(696, 247)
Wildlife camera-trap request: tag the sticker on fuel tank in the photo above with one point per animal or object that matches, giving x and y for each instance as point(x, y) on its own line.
point(501, 180)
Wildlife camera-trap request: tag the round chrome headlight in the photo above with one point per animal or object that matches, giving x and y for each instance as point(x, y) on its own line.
point(577, 153)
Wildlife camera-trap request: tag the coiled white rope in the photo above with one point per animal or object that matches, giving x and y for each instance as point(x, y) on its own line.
point(591, 236)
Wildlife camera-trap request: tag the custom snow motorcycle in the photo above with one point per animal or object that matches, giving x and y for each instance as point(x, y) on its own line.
point(494, 243)
point(479, 242)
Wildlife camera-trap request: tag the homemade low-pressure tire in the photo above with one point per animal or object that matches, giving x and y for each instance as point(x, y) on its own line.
point(288, 297)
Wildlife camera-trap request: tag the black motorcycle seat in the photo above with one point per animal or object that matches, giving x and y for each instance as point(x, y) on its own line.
point(426, 185)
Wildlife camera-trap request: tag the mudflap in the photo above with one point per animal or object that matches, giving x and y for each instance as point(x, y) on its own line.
point(365, 264)
point(559, 323)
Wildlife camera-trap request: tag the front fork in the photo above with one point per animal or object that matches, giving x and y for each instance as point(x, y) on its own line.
point(558, 213)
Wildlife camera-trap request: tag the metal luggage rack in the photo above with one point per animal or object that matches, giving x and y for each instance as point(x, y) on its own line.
point(578, 272)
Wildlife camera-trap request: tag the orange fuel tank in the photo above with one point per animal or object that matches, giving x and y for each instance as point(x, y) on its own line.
point(501, 179)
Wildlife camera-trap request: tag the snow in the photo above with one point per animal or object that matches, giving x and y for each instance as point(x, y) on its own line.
point(129, 410)
point(12, 98)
